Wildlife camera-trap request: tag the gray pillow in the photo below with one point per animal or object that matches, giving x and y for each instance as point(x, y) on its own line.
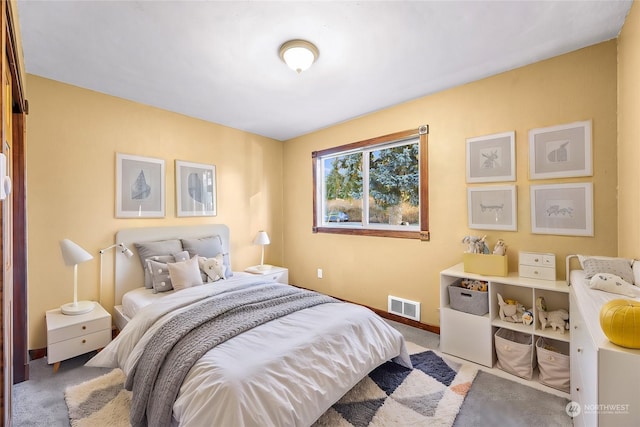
point(159, 273)
point(161, 250)
point(618, 266)
point(181, 256)
point(208, 247)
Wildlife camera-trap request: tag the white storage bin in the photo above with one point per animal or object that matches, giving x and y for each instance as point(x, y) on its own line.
point(515, 352)
point(553, 365)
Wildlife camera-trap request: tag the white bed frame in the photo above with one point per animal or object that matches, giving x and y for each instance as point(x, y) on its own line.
point(129, 272)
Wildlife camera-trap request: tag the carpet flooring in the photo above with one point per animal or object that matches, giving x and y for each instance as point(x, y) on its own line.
point(492, 399)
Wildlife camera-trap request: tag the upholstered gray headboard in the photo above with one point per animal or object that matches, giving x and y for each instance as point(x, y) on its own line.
point(129, 272)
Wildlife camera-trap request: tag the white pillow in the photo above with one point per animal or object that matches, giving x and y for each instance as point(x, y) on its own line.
point(213, 268)
point(636, 272)
point(185, 274)
point(615, 284)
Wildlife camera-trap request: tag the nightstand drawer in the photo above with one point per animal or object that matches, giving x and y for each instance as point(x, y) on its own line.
point(544, 273)
point(277, 274)
point(79, 345)
point(79, 329)
point(280, 276)
point(537, 259)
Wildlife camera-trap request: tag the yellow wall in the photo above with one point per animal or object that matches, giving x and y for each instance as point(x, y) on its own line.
point(572, 87)
point(72, 141)
point(629, 135)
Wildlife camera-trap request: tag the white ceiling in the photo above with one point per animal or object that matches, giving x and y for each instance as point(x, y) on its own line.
point(218, 60)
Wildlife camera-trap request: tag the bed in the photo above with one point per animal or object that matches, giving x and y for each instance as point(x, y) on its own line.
point(287, 370)
point(604, 376)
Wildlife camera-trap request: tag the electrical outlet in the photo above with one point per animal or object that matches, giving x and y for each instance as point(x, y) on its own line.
point(319, 273)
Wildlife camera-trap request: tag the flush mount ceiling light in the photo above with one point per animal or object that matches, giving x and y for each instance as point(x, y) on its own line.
point(299, 54)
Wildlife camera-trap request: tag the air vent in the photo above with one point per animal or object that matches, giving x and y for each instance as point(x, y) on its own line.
point(404, 307)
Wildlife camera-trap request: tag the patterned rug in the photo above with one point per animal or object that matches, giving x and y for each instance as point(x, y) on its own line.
point(391, 395)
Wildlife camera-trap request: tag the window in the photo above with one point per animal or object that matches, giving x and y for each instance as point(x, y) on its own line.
point(376, 187)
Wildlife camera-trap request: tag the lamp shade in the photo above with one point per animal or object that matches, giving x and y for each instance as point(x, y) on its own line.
point(262, 238)
point(72, 253)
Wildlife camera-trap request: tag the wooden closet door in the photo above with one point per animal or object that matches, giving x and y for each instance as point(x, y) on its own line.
point(13, 267)
point(7, 247)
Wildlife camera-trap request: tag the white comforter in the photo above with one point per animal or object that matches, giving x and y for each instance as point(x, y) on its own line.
point(286, 372)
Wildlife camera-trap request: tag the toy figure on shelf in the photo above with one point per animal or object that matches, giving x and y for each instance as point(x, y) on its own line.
point(476, 244)
point(527, 317)
point(474, 285)
point(554, 319)
point(500, 248)
point(510, 310)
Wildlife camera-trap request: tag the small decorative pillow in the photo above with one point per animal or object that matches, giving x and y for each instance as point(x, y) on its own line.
point(185, 274)
point(615, 284)
point(618, 266)
point(157, 251)
point(159, 274)
point(181, 256)
point(207, 247)
point(213, 268)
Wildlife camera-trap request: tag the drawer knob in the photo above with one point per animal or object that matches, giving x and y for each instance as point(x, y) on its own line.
point(579, 349)
point(84, 341)
point(84, 327)
point(536, 260)
point(575, 326)
point(577, 388)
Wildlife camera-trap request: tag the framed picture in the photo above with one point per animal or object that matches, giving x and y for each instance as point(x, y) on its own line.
point(492, 208)
point(562, 151)
point(139, 187)
point(491, 158)
point(195, 189)
point(562, 209)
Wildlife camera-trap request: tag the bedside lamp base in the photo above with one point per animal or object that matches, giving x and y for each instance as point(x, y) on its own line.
point(80, 307)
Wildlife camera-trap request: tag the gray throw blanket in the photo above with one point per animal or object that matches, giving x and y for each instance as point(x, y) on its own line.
point(179, 343)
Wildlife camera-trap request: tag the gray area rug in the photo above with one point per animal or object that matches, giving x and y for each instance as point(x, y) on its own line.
point(391, 395)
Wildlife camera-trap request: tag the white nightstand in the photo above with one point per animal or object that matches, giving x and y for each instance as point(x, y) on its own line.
point(277, 274)
point(70, 336)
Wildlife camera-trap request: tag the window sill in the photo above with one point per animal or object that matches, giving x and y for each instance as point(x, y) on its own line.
point(420, 235)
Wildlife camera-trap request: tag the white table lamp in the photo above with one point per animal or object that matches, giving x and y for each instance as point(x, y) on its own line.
point(262, 239)
point(74, 255)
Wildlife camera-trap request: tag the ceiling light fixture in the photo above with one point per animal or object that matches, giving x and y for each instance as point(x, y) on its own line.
point(299, 54)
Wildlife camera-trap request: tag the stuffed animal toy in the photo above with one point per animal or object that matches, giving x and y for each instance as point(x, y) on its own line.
point(527, 317)
point(474, 285)
point(476, 245)
point(556, 319)
point(510, 312)
point(500, 248)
